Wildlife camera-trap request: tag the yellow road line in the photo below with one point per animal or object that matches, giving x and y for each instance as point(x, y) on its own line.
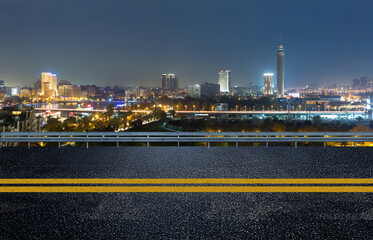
point(188, 181)
point(217, 189)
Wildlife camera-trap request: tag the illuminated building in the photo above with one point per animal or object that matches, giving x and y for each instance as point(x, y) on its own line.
point(69, 91)
point(224, 80)
point(12, 91)
point(48, 84)
point(221, 107)
point(169, 82)
point(194, 90)
point(25, 93)
point(2, 87)
point(280, 70)
point(268, 84)
point(141, 92)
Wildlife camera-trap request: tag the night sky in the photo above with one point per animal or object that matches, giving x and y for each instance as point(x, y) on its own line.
point(132, 42)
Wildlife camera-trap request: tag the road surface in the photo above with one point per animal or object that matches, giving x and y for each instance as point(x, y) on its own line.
point(186, 215)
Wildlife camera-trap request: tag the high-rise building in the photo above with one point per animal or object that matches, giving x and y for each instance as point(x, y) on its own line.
point(370, 84)
point(194, 90)
point(2, 87)
point(37, 84)
point(268, 84)
point(12, 91)
point(48, 84)
point(169, 83)
point(224, 80)
point(210, 89)
point(364, 82)
point(356, 83)
point(280, 70)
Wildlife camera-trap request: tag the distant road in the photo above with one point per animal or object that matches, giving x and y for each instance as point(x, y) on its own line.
point(216, 112)
point(271, 112)
point(85, 110)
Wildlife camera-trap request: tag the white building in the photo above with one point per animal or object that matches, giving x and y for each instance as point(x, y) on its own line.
point(268, 84)
point(224, 80)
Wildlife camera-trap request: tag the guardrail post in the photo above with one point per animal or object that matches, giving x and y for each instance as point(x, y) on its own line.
point(296, 145)
point(148, 144)
point(118, 141)
point(178, 142)
point(324, 144)
point(87, 141)
point(29, 144)
point(208, 144)
point(59, 142)
point(237, 142)
point(355, 142)
point(267, 142)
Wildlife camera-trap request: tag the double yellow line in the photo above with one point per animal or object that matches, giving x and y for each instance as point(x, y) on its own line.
point(187, 185)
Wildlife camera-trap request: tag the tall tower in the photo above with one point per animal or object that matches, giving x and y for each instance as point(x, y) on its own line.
point(280, 70)
point(224, 80)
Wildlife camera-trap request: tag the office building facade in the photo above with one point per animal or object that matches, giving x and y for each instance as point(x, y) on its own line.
point(2, 87)
point(48, 84)
point(224, 80)
point(169, 83)
point(194, 90)
point(268, 84)
point(210, 89)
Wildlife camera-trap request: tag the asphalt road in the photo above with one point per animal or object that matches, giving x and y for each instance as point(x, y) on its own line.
point(186, 215)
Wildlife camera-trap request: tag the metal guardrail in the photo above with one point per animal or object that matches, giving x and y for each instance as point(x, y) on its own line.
point(182, 137)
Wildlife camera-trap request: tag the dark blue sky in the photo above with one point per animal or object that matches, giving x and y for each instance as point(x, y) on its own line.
point(133, 42)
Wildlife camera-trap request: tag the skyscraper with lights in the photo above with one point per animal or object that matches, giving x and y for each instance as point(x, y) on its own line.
point(224, 80)
point(169, 82)
point(268, 84)
point(48, 84)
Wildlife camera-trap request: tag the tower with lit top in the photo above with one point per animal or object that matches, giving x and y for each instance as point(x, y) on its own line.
point(280, 70)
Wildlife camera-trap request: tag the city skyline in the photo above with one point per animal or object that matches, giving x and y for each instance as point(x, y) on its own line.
point(119, 44)
point(184, 119)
